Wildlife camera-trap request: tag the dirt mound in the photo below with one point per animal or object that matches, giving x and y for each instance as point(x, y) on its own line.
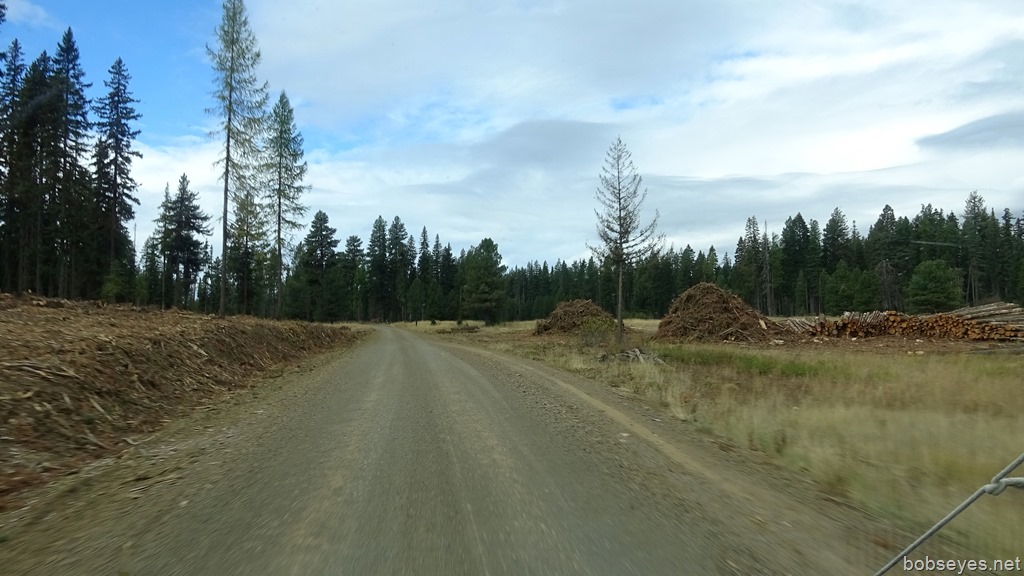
point(79, 380)
point(707, 313)
point(569, 317)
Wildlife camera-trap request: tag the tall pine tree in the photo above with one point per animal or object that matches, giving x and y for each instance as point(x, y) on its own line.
point(13, 67)
point(73, 202)
point(286, 169)
point(115, 187)
point(240, 103)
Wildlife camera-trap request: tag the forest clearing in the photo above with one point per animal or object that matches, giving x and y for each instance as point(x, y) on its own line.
point(902, 427)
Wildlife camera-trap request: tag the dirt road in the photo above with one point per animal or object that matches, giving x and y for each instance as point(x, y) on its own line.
point(409, 455)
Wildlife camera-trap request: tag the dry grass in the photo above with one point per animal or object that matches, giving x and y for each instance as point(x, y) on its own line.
point(905, 437)
point(643, 325)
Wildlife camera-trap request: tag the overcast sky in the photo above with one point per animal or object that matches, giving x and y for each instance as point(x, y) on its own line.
point(491, 119)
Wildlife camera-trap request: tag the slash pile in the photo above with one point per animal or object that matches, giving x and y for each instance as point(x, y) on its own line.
point(570, 317)
point(707, 313)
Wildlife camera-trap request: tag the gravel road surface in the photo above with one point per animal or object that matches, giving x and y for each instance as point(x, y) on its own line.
point(412, 455)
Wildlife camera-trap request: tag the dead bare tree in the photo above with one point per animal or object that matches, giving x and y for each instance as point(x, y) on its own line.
point(623, 239)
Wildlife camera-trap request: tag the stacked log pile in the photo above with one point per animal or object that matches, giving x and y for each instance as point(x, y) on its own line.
point(999, 321)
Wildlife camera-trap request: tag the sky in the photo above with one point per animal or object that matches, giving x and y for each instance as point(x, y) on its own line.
point(492, 119)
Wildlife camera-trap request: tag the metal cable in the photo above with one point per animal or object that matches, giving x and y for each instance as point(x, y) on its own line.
point(999, 483)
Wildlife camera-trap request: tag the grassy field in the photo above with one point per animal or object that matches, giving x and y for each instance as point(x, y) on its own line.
point(906, 437)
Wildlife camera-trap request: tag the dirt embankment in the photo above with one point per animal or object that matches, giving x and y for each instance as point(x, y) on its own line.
point(79, 380)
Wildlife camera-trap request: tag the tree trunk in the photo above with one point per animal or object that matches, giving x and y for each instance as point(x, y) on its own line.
point(280, 262)
point(618, 314)
point(224, 221)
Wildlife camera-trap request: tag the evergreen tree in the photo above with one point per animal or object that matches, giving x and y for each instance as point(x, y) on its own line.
point(425, 263)
point(710, 270)
point(935, 287)
point(885, 254)
point(148, 284)
point(857, 254)
point(814, 270)
point(398, 268)
point(247, 251)
point(795, 240)
point(879, 244)
point(73, 203)
point(664, 282)
point(835, 241)
point(410, 254)
point(34, 172)
point(435, 256)
point(448, 283)
point(868, 292)
point(801, 293)
point(973, 241)
point(771, 252)
point(685, 267)
point(240, 103)
point(206, 295)
point(182, 223)
point(748, 266)
point(287, 170)
point(114, 186)
point(936, 236)
point(841, 289)
point(700, 265)
point(13, 67)
point(426, 271)
point(1011, 255)
point(377, 275)
point(484, 282)
point(317, 262)
point(296, 288)
point(417, 300)
point(351, 269)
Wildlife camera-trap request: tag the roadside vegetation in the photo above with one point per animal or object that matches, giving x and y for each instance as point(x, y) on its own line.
point(903, 436)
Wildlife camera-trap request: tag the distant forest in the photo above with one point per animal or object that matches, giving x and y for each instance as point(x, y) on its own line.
point(932, 262)
point(67, 199)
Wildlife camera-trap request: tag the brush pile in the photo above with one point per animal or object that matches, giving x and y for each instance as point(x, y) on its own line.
point(706, 313)
point(570, 317)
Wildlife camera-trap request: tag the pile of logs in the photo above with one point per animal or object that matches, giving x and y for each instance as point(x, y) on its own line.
point(1000, 321)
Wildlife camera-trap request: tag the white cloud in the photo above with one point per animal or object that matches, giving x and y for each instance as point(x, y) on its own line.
point(493, 119)
point(162, 165)
point(28, 13)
